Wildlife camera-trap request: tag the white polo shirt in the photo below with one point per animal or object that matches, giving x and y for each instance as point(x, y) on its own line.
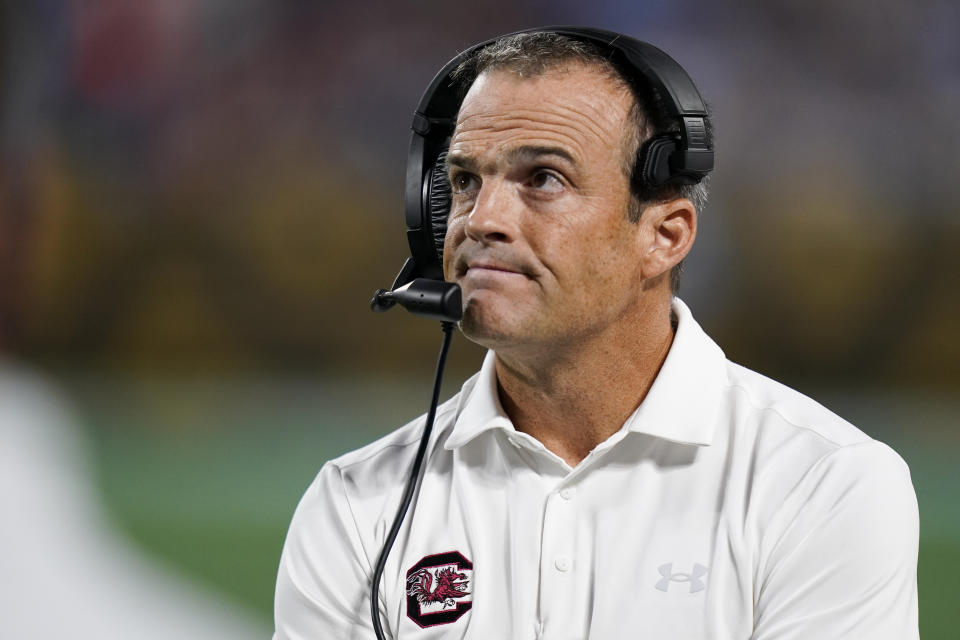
point(727, 506)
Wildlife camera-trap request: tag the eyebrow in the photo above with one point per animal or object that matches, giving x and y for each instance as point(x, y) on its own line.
point(520, 154)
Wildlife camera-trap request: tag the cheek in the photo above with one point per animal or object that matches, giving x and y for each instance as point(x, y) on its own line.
point(451, 241)
point(592, 257)
point(576, 247)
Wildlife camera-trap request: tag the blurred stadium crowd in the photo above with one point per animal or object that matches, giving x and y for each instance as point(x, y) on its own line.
point(213, 184)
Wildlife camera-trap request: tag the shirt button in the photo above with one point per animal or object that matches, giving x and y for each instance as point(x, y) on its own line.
point(566, 493)
point(562, 563)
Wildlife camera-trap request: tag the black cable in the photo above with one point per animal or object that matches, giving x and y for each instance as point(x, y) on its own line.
point(411, 484)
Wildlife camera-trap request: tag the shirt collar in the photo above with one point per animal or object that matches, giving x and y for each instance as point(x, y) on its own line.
point(681, 405)
point(480, 409)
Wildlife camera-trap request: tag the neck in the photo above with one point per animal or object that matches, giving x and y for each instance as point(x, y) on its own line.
point(573, 397)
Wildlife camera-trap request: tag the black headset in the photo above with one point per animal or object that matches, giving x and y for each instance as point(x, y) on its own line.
point(683, 156)
point(679, 153)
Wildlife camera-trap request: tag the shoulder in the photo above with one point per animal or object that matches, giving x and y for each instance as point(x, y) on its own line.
point(800, 453)
point(405, 437)
point(832, 514)
point(769, 404)
point(381, 467)
point(338, 528)
point(354, 491)
point(809, 465)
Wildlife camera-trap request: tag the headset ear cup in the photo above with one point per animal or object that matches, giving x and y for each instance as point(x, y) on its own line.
point(438, 200)
point(654, 161)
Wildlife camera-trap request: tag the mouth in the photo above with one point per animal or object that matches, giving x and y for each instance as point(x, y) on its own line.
point(490, 267)
point(487, 269)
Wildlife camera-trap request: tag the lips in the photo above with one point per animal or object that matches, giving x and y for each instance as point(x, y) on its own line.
point(491, 267)
point(488, 266)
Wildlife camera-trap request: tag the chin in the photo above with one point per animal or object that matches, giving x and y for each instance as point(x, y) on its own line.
point(486, 327)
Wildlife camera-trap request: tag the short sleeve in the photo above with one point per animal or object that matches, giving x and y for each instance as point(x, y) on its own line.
point(840, 557)
point(324, 575)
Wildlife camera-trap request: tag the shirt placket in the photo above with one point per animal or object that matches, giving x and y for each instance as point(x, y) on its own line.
point(562, 604)
point(559, 611)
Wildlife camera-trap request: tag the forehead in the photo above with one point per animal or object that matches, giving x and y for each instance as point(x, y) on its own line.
point(581, 108)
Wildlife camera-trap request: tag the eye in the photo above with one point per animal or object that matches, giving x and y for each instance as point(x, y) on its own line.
point(545, 180)
point(463, 182)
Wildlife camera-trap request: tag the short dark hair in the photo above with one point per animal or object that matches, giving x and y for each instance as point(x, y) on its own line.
point(533, 54)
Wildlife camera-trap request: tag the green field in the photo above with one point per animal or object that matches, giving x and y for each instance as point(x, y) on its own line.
point(205, 475)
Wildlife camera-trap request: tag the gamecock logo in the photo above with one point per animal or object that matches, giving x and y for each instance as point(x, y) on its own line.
point(436, 588)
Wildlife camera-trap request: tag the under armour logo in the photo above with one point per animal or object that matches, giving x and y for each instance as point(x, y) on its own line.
point(696, 584)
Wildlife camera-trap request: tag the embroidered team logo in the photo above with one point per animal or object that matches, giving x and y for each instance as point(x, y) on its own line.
point(438, 589)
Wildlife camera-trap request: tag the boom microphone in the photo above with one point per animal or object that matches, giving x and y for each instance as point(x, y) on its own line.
point(424, 297)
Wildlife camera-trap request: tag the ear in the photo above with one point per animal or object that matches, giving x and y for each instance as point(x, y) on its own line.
point(672, 230)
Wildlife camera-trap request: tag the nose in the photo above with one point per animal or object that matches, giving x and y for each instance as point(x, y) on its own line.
point(492, 218)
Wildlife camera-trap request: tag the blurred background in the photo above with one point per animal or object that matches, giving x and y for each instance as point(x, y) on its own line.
point(198, 198)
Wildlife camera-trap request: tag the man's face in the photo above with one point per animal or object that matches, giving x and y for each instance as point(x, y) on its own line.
point(538, 236)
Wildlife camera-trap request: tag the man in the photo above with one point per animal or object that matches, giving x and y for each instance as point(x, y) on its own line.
point(608, 473)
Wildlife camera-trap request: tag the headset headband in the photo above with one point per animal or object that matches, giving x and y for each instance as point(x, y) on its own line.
point(684, 157)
